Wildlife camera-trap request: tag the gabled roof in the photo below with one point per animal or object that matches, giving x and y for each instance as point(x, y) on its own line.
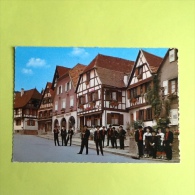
point(21, 101)
point(75, 72)
point(59, 72)
point(111, 78)
point(109, 62)
point(153, 61)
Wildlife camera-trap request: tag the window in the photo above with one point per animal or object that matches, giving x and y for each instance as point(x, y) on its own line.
point(88, 121)
point(88, 76)
point(31, 123)
point(63, 103)
point(27, 111)
point(72, 100)
point(173, 86)
point(59, 89)
point(149, 114)
point(115, 118)
point(18, 122)
point(114, 96)
point(56, 105)
point(134, 92)
point(141, 115)
point(82, 99)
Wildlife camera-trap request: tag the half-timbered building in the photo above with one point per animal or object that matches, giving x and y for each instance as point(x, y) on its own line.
point(64, 103)
point(45, 111)
point(141, 78)
point(26, 104)
point(168, 80)
point(101, 92)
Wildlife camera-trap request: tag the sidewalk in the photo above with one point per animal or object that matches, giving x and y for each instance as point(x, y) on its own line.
point(76, 140)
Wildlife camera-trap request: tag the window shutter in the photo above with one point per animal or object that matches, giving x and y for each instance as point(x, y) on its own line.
point(96, 95)
point(145, 114)
point(165, 85)
point(128, 94)
point(108, 118)
point(143, 88)
point(136, 71)
point(138, 90)
point(28, 122)
point(33, 123)
point(119, 96)
point(137, 115)
point(121, 119)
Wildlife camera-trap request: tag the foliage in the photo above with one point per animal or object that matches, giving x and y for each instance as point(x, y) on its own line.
point(137, 123)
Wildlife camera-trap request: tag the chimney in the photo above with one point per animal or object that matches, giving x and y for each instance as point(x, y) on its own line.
point(22, 92)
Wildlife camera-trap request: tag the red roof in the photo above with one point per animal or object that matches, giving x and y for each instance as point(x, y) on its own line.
point(62, 70)
point(111, 63)
point(153, 61)
point(75, 72)
point(21, 101)
point(111, 78)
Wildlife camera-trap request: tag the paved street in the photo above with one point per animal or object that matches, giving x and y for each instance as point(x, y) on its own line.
point(29, 148)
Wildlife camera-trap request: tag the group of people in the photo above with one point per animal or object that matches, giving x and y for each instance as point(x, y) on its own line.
point(151, 143)
point(65, 135)
point(99, 138)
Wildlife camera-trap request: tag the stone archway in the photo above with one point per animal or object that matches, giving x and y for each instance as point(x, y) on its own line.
point(71, 122)
point(56, 123)
point(63, 122)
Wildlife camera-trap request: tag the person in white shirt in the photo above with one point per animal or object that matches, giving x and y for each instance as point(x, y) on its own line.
point(160, 148)
point(146, 144)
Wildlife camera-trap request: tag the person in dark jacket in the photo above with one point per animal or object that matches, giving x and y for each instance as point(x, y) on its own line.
point(139, 140)
point(122, 134)
point(98, 137)
point(63, 135)
point(168, 142)
point(153, 140)
point(114, 135)
point(104, 132)
point(109, 134)
point(56, 132)
point(69, 137)
point(84, 139)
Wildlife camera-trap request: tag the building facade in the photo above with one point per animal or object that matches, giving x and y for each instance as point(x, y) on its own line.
point(45, 111)
point(101, 92)
point(65, 100)
point(26, 104)
point(140, 81)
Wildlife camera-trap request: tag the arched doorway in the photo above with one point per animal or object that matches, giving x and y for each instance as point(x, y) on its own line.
point(63, 122)
point(71, 122)
point(56, 123)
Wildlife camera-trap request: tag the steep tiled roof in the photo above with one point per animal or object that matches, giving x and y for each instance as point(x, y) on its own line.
point(51, 91)
point(61, 70)
point(112, 63)
point(153, 61)
point(111, 77)
point(75, 72)
point(21, 101)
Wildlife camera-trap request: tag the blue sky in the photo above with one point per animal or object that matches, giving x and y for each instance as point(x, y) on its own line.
point(35, 66)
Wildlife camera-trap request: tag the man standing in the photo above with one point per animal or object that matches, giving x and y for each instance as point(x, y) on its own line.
point(103, 135)
point(98, 140)
point(63, 135)
point(109, 134)
point(114, 135)
point(122, 134)
point(168, 142)
point(84, 139)
point(56, 132)
point(70, 134)
point(139, 140)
